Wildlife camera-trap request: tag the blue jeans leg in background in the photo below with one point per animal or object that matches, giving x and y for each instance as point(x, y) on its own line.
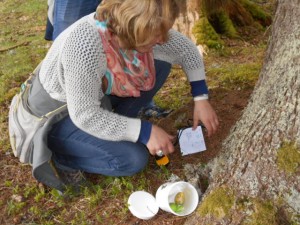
point(66, 12)
point(49, 31)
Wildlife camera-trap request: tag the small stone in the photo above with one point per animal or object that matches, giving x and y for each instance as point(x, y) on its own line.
point(17, 198)
point(17, 220)
point(41, 186)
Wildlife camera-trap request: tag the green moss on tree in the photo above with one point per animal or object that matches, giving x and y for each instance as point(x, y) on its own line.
point(205, 34)
point(288, 158)
point(224, 17)
point(257, 13)
point(223, 24)
point(264, 214)
point(218, 203)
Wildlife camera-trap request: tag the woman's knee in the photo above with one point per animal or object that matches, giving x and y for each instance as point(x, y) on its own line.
point(125, 159)
point(134, 162)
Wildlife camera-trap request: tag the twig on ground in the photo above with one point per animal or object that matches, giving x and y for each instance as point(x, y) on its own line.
point(15, 46)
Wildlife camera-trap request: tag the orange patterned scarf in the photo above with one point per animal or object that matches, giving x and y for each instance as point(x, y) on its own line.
point(128, 72)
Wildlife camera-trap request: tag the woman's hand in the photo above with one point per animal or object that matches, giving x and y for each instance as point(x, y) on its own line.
point(160, 140)
point(204, 112)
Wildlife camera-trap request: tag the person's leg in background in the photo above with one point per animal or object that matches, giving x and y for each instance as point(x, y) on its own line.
point(62, 13)
point(49, 26)
point(66, 12)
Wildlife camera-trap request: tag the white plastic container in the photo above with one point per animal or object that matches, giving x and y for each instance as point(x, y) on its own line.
point(145, 206)
point(166, 194)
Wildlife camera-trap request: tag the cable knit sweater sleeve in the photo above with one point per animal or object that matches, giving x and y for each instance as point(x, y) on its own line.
point(181, 50)
point(72, 72)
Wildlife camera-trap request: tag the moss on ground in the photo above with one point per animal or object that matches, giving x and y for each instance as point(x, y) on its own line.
point(234, 75)
point(175, 93)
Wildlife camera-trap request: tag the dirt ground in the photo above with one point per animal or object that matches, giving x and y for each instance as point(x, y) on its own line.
point(229, 105)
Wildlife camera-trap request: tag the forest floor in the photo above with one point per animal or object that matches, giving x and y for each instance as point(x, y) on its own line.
point(24, 201)
point(228, 104)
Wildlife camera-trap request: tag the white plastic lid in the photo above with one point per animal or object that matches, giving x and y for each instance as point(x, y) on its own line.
point(143, 205)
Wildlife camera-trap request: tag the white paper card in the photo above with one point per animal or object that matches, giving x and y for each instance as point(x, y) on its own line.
point(191, 141)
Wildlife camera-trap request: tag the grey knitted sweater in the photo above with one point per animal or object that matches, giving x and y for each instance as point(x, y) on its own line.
point(75, 64)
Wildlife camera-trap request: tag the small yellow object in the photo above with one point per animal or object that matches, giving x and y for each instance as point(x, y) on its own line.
point(162, 160)
point(179, 198)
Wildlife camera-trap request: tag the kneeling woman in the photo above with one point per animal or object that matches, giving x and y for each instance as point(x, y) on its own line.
point(106, 67)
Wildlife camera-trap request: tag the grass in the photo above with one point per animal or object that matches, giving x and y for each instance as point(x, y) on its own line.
point(29, 200)
point(176, 93)
point(235, 75)
point(22, 48)
point(25, 32)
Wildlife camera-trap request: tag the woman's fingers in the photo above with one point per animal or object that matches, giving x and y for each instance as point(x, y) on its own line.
point(160, 140)
point(204, 112)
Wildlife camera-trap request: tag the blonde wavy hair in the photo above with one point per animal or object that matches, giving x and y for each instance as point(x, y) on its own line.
point(138, 22)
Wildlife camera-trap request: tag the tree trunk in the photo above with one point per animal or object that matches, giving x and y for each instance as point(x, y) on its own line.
point(256, 178)
point(189, 14)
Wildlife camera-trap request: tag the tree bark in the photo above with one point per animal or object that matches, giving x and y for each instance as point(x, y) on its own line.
point(188, 16)
point(247, 176)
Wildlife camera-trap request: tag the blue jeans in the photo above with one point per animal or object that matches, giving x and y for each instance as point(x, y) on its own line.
point(66, 12)
point(76, 149)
